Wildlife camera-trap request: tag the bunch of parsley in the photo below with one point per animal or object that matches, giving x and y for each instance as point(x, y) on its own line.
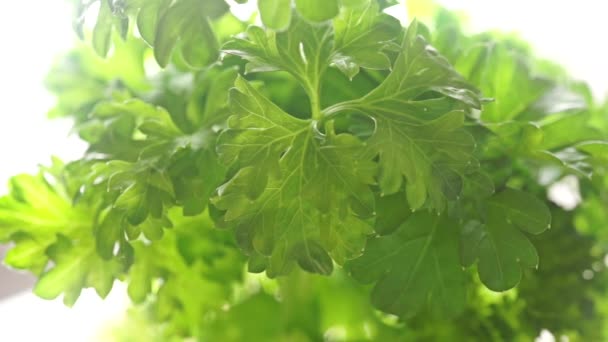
point(384, 182)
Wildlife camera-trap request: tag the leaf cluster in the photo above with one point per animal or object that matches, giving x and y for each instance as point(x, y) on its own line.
point(329, 171)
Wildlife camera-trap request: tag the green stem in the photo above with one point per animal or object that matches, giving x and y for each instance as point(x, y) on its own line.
point(338, 108)
point(312, 90)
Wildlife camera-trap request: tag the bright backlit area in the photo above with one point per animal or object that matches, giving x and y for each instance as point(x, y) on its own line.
point(34, 33)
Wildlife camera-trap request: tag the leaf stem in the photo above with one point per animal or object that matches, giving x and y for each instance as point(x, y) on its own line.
point(338, 108)
point(315, 101)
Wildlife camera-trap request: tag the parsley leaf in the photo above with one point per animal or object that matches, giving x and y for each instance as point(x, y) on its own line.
point(353, 149)
point(302, 50)
point(53, 239)
point(186, 23)
point(495, 68)
point(503, 250)
point(166, 168)
point(362, 38)
point(318, 10)
point(193, 257)
point(297, 187)
point(414, 267)
point(420, 139)
point(276, 14)
point(357, 38)
point(164, 24)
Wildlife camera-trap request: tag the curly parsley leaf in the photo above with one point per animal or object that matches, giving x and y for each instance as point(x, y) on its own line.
point(165, 168)
point(54, 239)
point(193, 257)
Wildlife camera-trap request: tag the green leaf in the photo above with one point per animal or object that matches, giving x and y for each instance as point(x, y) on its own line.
point(414, 268)
point(163, 24)
point(569, 130)
point(213, 87)
point(76, 267)
point(479, 185)
point(497, 69)
point(107, 235)
point(503, 250)
point(358, 38)
point(361, 37)
point(472, 233)
point(318, 10)
point(82, 79)
point(569, 159)
point(186, 23)
point(134, 201)
point(28, 254)
point(431, 156)
point(53, 239)
point(514, 138)
point(302, 50)
point(147, 18)
point(422, 140)
point(522, 210)
point(391, 212)
point(297, 187)
point(102, 33)
point(253, 109)
point(190, 259)
point(597, 149)
point(559, 101)
point(276, 14)
point(313, 258)
point(165, 167)
point(32, 215)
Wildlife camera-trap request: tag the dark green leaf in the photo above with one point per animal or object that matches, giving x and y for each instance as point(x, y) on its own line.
point(414, 268)
point(503, 250)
